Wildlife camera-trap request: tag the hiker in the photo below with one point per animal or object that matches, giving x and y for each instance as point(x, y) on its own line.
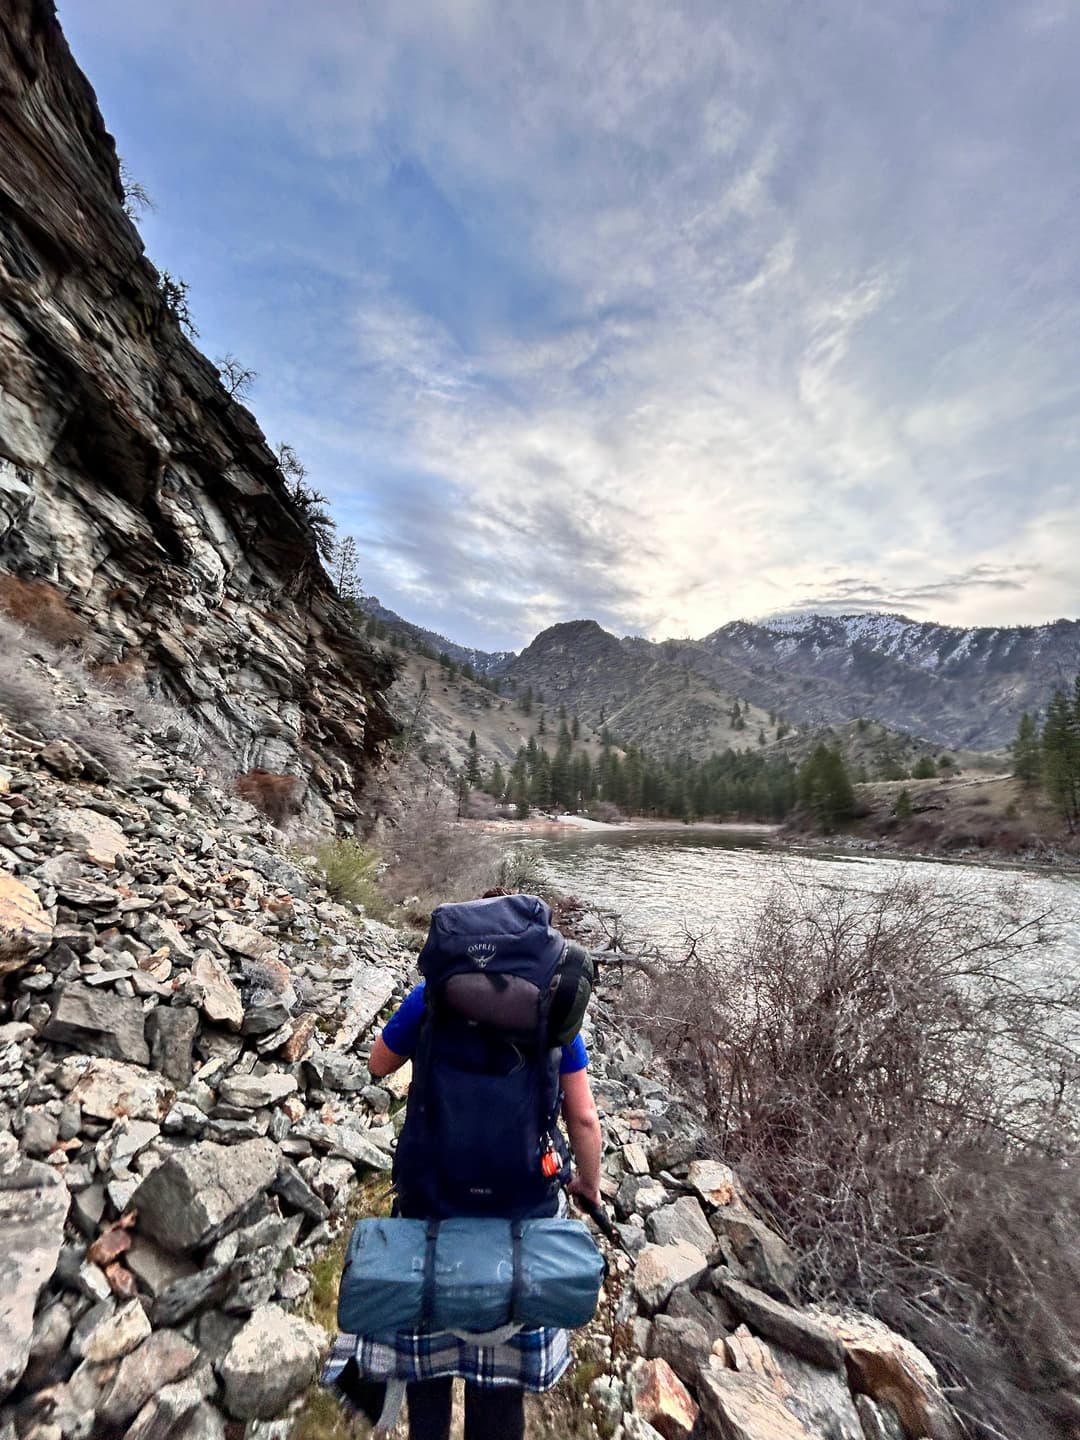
point(481, 1139)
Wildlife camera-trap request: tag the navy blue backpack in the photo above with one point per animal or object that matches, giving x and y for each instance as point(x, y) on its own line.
point(504, 991)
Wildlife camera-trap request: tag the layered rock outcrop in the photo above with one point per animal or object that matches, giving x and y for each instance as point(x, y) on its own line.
point(183, 1118)
point(128, 476)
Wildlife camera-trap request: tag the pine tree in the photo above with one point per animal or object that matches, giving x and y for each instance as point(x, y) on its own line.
point(496, 785)
point(575, 728)
point(825, 788)
point(903, 807)
point(1061, 755)
point(924, 768)
point(520, 797)
point(472, 764)
point(1027, 752)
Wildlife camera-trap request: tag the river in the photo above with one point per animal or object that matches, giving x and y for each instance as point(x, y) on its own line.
point(663, 882)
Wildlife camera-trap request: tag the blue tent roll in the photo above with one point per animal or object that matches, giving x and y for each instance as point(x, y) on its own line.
point(471, 1275)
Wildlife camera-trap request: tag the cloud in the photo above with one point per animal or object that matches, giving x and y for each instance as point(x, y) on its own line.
point(663, 315)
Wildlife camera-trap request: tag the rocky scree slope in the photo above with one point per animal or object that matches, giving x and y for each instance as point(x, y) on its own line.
point(128, 476)
point(182, 1119)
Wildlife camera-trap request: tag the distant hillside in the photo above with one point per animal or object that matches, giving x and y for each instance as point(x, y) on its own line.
point(958, 687)
point(941, 686)
point(484, 662)
point(645, 693)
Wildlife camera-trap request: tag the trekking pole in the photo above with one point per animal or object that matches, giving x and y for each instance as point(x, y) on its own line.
point(602, 1220)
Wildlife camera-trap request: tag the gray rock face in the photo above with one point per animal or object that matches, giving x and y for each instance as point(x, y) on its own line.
point(33, 1206)
point(171, 1031)
point(162, 1359)
point(793, 1329)
point(684, 1344)
point(188, 525)
point(271, 1360)
point(661, 1267)
point(766, 1260)
point(99, 1023)
point(250, 1092)
point(684, 1219)
point(190, 1199)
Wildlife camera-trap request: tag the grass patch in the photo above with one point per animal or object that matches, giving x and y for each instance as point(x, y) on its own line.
point(349, 871)
point(372, 1197)
point(323, 1418)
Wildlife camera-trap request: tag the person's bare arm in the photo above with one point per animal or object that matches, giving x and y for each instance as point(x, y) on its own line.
point(583, 1128)
point(384, 1061)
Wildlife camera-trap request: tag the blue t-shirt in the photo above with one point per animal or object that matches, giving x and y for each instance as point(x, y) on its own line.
point(402, 1031)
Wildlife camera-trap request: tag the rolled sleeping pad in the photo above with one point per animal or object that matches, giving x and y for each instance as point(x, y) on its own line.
point(471, 1275)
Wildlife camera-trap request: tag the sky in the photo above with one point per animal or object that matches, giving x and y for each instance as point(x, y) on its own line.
point(659, 314)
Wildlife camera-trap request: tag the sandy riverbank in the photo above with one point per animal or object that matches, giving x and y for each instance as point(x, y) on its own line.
point(550, 826)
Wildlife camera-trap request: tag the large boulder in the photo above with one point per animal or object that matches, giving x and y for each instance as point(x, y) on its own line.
point(819, 1397)
point(765, 1258)
point(684, 1219)
point(95, 837)
point(99, 1023)
point(661, 1399)
point(804, 1335)
point(171, 1031)
point(33, 1206)
point(713, 1182)
point(271, 1360)
point(190, 1199)
point(26, 932)
point(894, 1372)
point(740, 1406)
point(160, 1360)
point(372, 989)
point(660, 1268)
point(684, 1343)
point(251, 1092)
point(108, 1089)
point(216, 993)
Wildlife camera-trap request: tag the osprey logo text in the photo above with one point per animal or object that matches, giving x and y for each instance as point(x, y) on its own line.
point(482, 953)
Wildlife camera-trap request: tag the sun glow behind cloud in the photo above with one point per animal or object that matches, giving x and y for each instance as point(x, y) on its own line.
point(662, 315)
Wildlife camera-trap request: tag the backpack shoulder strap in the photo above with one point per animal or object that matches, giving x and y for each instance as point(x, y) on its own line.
point(573, 987)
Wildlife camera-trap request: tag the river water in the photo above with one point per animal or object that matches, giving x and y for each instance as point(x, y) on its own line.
point(665, 882)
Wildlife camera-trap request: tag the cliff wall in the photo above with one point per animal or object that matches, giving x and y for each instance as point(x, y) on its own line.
point(131, 480)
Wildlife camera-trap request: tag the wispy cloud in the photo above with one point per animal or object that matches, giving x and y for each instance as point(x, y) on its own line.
point(664, 315)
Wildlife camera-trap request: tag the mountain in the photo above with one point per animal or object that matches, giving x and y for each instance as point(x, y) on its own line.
point(643, 692)
point(956, 686)
point(140, 504)
point(484, 662)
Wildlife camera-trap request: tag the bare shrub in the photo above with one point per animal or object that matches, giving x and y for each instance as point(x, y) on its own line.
point(896, 1075)
point(435, 858)
point(41, 608)
point(519, 871)
point(101, 740)
point(350, 870)
point(481, 806)
point(25, 698)
point(118, 675)
point(275, 795)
